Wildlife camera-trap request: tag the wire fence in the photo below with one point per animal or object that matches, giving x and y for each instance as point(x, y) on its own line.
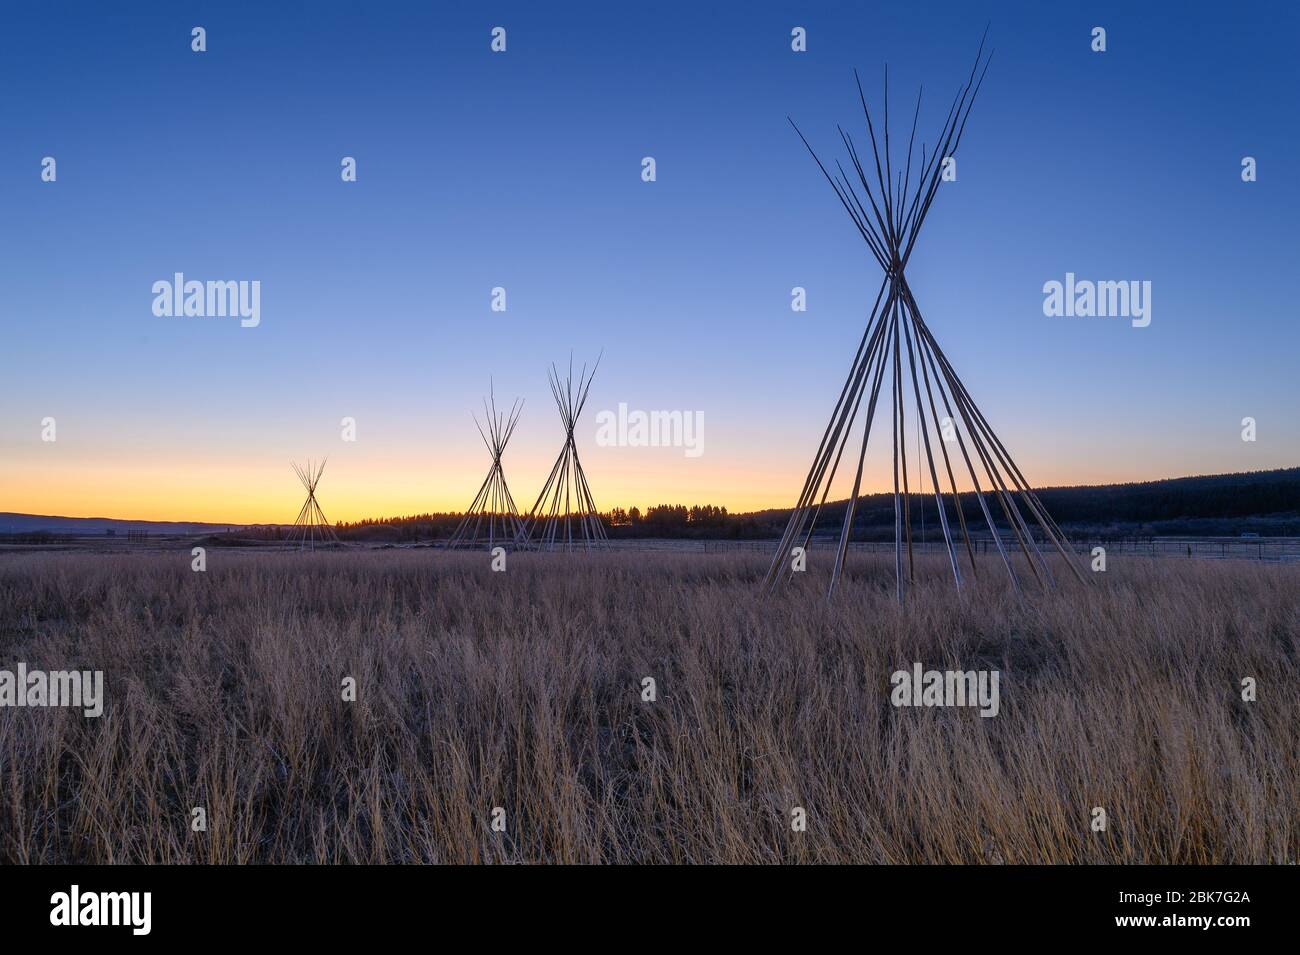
point(1277, 549)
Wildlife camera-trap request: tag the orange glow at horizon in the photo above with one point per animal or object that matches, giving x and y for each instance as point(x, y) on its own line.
point(265, 490)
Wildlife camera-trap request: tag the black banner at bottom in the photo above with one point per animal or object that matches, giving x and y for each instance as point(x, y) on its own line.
point(137, 904)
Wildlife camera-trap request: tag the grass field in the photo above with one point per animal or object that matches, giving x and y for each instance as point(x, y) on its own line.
point(523, 690)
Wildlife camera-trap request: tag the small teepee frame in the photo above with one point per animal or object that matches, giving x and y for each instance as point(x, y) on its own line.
point(492, 518)
point(564, 515)
point(311, 529)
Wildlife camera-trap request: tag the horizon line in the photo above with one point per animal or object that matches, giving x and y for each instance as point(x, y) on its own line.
point(1053, 487)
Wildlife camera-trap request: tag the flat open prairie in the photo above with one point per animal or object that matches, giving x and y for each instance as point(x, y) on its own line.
point(523, 690)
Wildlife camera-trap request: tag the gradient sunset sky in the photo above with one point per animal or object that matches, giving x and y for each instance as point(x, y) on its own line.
point(522, 170)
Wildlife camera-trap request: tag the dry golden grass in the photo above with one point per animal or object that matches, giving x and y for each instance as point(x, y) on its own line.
point(522, 690)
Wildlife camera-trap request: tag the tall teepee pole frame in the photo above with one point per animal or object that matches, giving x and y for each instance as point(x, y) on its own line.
point(492, 518)
point(564, 515)
point(896, 342)
point(311, 529)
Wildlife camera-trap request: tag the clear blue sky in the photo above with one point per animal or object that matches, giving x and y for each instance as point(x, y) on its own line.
point(522, 170)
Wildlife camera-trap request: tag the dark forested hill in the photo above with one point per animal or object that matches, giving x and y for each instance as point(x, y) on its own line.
point(1262, 502)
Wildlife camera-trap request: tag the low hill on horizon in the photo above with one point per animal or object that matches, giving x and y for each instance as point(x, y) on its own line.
point(1259, 502)
point(14, 523)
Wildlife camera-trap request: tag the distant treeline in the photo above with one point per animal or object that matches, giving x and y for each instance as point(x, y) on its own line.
point(665, 520)
point(1262, 502)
